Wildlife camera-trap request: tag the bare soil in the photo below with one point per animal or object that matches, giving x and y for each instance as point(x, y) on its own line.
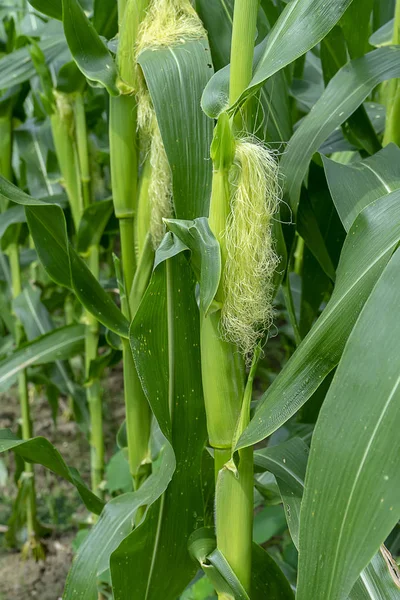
point(59, 506)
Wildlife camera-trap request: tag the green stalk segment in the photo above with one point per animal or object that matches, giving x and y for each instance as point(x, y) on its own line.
point(63, 125)
point(124, 153)
point(392, 130)
point(242, 49)
point(71, 142)
point(5, 149)
point(13, 254)
point(82, 148)
point(94, 395)
point(227, 404)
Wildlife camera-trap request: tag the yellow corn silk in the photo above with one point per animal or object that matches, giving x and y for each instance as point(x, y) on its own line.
point(250, 255)
point(167, 23)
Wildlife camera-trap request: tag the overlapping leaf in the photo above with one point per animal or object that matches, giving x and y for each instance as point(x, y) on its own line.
point(367, 249)
point(356, 185)
point(58, 344)
point(301, 25)
point(48, 228)
point(351, 500)
point(344, 93)
point(174, 95)
point(39, 450)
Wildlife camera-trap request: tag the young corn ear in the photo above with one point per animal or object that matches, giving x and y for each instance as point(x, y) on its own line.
point(251, 259)
point(167, 22)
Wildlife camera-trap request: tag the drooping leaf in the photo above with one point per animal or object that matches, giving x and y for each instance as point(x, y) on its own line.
point(345, 92)
point(48, 228)
point(175, 77)
point(58, 344)
point(165, 339)
point(356, 185)
point(41, 451)
point(301, 25)
point(366, 251)
point(351, 500)
point(87, 48)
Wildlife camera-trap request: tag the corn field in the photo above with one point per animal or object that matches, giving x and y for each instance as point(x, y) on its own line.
point(200, 200)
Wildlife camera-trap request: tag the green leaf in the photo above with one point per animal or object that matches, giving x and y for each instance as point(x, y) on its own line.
point(357, 184)
point(39, 450)
point(383, 36)
point(345, 92)
point(267, 580)
point(115, 523)
point(358, 12)
point(288, 462)
point(88, 50)
point(58, 344)
point(165, 340)
point(13, 215)
point(18, 67)
point(51, 8)
point(33, 315)
point(175, 77)
point(36, 321)
point(366, 251)
point(348, 512)
point(48, 228)
point(205, 255)
point(273, 118)
point(92, 224)
point(105, 17)
point(379, 581)
point(301, 25)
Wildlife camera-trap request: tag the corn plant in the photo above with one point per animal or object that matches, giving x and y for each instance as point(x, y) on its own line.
point(252, 160)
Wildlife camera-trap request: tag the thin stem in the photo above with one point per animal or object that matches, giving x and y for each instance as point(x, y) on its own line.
point(94, 389)
point(128, 252)
point(124, 154)
point(137, 416)
point(234, 486)
point(82, 147)
point(62, 124)
point(13, 253)
point(242, 50)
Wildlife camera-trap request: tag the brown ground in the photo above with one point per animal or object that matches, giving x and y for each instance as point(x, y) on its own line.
point(58, 503)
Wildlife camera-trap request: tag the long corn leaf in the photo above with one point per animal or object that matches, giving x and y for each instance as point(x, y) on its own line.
point(344, 93)
point(356, 185)
point(351, 500)
point(48, 228)
point(39, 450)
point(366, 251)
point(58, 344)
